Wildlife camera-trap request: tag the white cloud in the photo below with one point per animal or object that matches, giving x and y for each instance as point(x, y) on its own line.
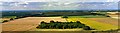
point(23, 3)
point(24, 6)
point(1, 3)
point(57, 4)
point(50, 5)
point(110, 0)
point(59, 0)
point(67, 3)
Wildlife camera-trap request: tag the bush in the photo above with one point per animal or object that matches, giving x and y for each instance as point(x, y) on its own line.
point(43, 25)
point(11, 18)
point(86, 28)
point(107, 16)
point(42, 22)
point(5, 21)
point(38, 27)
point(64, 17)
point(51, 21)
point(80, 26)
point(78, 22)
point(17, 18)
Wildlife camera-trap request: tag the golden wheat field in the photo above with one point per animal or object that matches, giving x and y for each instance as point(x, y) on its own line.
point(95, 24)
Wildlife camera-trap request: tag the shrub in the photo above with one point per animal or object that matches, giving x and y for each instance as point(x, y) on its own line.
point(64, 17)
point(78, 22)
point(51, 21)
point(38, 26)
point(86, 28)
point(17, 18)
point(5, 21)
point(43, 25)
point(107, 16)
point(42, 22)
point(11, 18)
point(80, 26)
point(52, 25)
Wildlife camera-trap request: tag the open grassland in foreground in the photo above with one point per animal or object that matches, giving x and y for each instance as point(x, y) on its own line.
point(95, 24)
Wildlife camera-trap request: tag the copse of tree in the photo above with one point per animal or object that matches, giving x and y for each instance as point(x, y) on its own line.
point(62, 25)
point(65, 17)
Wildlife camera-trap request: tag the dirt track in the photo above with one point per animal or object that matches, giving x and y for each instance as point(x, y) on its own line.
point(27, 24)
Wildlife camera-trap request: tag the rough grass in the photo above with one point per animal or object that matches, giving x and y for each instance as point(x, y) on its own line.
point(94, 24)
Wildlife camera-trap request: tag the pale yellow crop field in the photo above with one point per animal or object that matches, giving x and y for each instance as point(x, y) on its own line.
point(94, 24)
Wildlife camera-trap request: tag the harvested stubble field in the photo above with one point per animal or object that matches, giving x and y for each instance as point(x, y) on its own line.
point(27, 24)
point(95, 24)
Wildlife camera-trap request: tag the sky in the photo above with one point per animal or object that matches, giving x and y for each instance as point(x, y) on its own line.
point(59, 4)
point(59, 0)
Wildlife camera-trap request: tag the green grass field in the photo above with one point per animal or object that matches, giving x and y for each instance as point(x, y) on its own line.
point(9, 17)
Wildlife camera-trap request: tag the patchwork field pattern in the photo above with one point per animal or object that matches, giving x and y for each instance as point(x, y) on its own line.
point(95, 24)
point(30, 23)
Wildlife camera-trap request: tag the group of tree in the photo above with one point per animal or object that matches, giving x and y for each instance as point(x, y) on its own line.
point(62, 25)
point(65, 17)
point(13, 19)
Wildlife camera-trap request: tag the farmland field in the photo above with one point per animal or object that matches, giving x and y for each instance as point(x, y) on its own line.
point(2, 19)
point(9, 17)
point(97, 24)
point(0, 27)
point(87, 16)
point(105, 20)
point(28, 23)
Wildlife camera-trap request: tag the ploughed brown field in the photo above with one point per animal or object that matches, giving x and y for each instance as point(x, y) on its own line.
point(28, 23)
point(105, 20)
